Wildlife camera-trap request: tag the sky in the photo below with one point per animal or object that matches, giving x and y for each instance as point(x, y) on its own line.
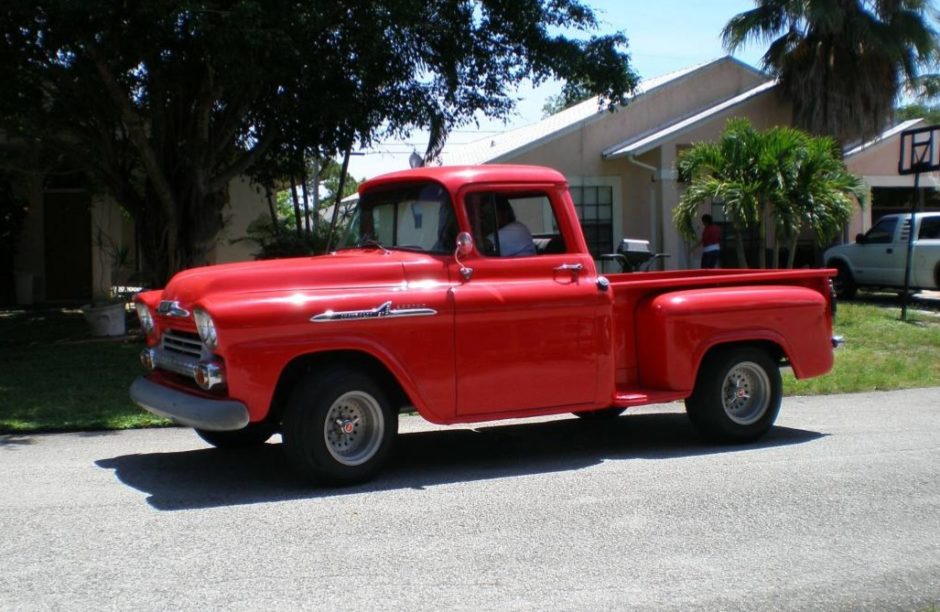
point(663, 36)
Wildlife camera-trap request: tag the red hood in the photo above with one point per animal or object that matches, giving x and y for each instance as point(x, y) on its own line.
point(353, 268)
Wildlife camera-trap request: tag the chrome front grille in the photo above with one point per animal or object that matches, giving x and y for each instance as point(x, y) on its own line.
point(183, 343)
point(180, 352)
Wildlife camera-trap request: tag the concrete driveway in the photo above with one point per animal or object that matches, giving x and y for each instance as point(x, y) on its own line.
point(838, 508)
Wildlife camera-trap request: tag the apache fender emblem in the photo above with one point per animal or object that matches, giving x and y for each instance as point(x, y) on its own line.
point(379, 312)
point(172, 309)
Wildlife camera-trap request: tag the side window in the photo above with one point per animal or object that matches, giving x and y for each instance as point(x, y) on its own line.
point(513, 224)
point(882, 232)
point(929, 228)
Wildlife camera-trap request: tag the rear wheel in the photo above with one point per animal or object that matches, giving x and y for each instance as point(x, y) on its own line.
point(254, 434)
point(339, 426)
point(737, 395)
point(844, 283)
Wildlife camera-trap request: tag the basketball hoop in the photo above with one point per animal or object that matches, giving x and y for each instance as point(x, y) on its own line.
point(920, 152)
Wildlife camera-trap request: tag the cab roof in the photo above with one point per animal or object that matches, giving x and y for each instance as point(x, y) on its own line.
point(455, 177)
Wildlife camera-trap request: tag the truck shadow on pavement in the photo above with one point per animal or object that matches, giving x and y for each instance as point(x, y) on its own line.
point(207, 478)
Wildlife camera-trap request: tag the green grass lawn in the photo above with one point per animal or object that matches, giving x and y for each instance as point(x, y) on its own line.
point(55, 377)
point(881, 352)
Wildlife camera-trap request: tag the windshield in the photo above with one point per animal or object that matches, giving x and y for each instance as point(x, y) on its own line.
point(414, 216)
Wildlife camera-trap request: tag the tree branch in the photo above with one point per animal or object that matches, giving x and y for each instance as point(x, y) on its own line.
point(137, 134)
point(240, 165)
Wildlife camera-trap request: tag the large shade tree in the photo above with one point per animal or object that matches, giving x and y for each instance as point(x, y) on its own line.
point(781, 179)
point(163, 102)
point(842, 63)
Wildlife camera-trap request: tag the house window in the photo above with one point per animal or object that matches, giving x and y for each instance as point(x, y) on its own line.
point(595, 206)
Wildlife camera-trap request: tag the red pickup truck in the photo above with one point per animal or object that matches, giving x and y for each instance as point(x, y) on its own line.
point(467, 294)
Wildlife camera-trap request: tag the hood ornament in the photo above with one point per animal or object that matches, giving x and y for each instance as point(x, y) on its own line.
point(173, 309)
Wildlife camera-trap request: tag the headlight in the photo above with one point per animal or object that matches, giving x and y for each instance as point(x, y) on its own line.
point(206, 328)
point(146, 319)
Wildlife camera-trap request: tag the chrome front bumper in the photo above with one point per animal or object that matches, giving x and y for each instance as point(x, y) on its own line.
point(190, 410)
point(837, 341)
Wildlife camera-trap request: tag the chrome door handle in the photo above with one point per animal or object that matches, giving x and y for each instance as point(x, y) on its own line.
point(569, 268)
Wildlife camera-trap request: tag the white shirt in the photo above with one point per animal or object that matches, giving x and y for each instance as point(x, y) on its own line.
point(515, 240)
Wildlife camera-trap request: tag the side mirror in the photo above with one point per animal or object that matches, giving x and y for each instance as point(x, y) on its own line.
point(464, 247)
point(860, 238)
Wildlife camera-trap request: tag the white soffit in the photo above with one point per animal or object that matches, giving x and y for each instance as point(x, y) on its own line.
point(892, 131)
point(651, 140)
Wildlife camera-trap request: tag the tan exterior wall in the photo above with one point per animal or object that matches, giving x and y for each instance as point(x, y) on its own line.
point(246, 203)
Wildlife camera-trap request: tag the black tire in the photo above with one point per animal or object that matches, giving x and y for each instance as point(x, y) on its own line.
point(603, 414)
point(737, 395)
point(844, 283)
point(356, 445)
point(254, 434)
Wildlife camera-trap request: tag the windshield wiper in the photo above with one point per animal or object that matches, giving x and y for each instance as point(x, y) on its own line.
point(367, 241)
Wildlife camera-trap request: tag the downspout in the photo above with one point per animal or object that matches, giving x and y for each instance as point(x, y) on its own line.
point(655, 238)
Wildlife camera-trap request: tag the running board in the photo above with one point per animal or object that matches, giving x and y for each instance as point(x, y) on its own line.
point(639, 397)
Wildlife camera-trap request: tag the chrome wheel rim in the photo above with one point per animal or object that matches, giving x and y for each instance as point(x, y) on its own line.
point(353, 428)
point(745, 393)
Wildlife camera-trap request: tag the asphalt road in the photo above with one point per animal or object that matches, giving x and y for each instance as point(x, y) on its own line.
point(838, 508)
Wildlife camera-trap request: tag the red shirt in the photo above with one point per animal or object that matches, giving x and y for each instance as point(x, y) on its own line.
point(711, 235)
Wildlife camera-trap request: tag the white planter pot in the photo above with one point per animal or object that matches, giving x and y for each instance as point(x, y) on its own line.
point(106, 320)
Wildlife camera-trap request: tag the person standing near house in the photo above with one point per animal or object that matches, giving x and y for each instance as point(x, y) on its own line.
point(711, 243)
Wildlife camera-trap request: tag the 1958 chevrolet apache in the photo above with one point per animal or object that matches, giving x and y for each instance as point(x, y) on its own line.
point(422, 308)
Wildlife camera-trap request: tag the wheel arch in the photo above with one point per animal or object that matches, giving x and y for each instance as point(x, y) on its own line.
point(302, 365)
point(840, 260)
point(774, 349)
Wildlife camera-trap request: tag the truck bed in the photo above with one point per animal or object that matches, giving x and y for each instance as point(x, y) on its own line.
point(632, 290)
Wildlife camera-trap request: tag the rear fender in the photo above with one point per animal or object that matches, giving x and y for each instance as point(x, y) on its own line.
point(675, 330)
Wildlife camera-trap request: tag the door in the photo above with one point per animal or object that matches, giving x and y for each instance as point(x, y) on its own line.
point(881, 256)
point(67, 244)
point(527, 329)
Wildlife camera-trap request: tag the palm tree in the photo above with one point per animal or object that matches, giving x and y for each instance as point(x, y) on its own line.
point(819, 193)
point(842, 63)
point(782, 177)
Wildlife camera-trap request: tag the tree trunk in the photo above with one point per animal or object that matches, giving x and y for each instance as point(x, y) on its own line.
point(293, 196)
point(739, 249)
point(316, 192)
point(169, 245)
point(762, 237)
point(791, 255)
point(276, 227)
point(303, 187)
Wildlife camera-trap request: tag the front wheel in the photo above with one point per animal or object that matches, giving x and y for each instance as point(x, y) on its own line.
point(737, 395)
point(339, 427)
point(844, 283)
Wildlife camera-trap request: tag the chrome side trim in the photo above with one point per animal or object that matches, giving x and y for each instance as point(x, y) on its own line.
point(169, 308)
point(379, 312)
